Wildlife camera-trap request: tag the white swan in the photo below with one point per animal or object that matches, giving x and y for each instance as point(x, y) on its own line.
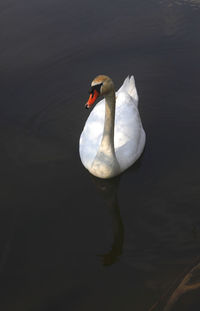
point(113, 137)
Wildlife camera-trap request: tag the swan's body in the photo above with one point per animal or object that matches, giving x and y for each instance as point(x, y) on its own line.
point(113, 137)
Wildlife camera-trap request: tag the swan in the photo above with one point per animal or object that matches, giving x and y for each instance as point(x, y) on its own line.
point(113, 137)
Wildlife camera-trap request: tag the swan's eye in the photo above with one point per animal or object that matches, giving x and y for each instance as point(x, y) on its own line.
point(96, 87)
point(91, 91)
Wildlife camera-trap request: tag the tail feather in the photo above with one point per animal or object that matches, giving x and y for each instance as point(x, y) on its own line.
point(129, 87)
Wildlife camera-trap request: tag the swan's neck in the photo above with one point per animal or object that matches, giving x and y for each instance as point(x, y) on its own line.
point(107, 143)
point(105, 164)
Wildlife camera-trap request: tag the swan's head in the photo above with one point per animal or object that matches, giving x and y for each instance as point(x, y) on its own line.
point(100, 86)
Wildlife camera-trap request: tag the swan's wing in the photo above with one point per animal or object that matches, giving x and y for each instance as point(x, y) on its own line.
point(129, 87)
point(92, 133)
point(129, 138)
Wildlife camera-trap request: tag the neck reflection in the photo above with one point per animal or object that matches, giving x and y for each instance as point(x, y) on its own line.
point(108, 189)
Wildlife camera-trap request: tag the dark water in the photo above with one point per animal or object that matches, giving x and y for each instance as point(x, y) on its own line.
point(69, 241)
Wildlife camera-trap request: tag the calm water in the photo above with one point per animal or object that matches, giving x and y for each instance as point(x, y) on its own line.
point(69, 241)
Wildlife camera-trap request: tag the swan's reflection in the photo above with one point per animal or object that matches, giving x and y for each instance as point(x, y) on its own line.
point(108, 189)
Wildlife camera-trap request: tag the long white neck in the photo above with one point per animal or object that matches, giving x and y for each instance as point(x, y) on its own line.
point(105, 164)
point(107, 143)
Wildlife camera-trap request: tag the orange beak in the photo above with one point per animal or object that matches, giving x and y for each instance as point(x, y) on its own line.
point(93, 96)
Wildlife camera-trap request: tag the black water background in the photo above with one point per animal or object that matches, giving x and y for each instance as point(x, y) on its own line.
point(53, 222)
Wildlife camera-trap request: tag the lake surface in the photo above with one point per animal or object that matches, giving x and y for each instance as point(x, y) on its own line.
point(69, 241)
